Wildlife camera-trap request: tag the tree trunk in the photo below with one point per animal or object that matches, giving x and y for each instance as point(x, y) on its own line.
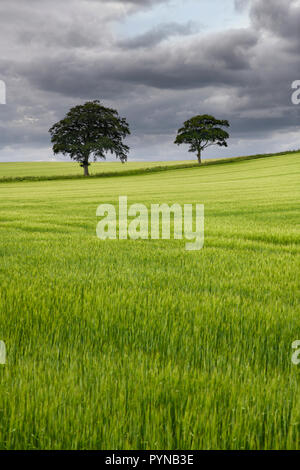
point(199, 157)
point(86, 169)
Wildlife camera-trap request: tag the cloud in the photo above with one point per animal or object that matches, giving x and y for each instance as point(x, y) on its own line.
point(219, 59)
point(53, 57)
point(158, 34)
point(279, 18)
point(241, 5)
point(140, 3)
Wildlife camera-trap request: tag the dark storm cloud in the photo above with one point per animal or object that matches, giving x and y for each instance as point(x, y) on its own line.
point(221, 59)
point(52, 57)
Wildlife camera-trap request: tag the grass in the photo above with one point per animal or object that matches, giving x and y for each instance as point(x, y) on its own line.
point(50, 171)
point(140, 344)
point(54, 170)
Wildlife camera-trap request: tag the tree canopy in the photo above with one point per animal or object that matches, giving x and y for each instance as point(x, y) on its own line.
point(90, 131)
point(202, 131)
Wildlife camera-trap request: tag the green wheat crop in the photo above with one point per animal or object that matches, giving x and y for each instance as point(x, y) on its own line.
point(141, 344)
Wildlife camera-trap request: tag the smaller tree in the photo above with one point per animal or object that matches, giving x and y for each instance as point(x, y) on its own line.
point(201, 132)
point(90, 130)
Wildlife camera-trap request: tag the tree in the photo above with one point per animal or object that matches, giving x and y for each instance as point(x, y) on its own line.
point(201, 132)
point(90, 130)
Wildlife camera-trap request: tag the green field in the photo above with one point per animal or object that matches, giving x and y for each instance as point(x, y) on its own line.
point(24, 169)
point(141, 344)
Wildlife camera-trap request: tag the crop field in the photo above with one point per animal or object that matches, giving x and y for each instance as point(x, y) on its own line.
point(40, 169)
point(124, 344)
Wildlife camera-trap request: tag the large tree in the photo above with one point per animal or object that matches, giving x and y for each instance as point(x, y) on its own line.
point(201, 132)
point(90, 131)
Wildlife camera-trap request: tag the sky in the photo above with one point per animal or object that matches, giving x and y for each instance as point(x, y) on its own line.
point(158, 62)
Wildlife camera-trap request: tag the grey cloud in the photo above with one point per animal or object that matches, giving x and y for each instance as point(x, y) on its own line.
point(140, 3)
point(204, 62)
point(279, 17)
point(51, 59)
point(158, 34)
